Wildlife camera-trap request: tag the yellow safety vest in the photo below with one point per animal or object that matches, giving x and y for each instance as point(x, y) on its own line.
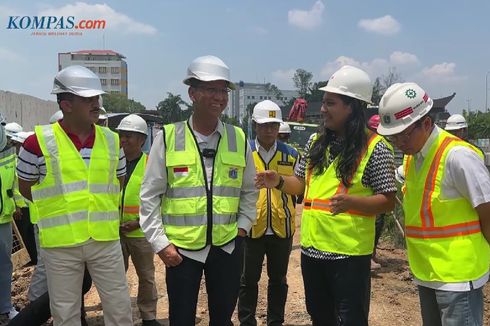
point(274, 207)
point(193, 215)
point(130, 198)
point(349, 233)
point(7, 180)
point(74, 202)
point(444, 239)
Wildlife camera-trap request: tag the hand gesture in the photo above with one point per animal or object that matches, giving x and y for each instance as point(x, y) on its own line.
point(170, 256)
point(340, 203)
point(266, 179)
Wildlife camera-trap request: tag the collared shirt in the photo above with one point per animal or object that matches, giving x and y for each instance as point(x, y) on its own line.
point(31, 165)
point(465, 176)
point(155, 185)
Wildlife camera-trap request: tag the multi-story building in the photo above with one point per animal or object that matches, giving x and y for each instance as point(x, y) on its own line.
point(249, 93)
point(110, 66)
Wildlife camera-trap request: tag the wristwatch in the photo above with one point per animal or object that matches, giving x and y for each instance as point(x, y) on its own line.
point(280, 184)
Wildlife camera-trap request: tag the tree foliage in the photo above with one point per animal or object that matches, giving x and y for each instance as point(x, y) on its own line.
point(315, 94)
point(119, 103)
point(174, 108)
point(302, 81)
point(478, 124)
point(382, 83)
point(273, 90)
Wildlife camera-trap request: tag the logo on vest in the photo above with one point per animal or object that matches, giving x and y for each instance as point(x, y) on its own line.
point(233, 173)
point(181, 171)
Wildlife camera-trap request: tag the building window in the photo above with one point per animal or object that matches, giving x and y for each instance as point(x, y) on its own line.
point(103, 82)
point(248, 97)
point(102, 70)
point(114, 70)
point(253, 97)
point(115, 82)
point(115, 92)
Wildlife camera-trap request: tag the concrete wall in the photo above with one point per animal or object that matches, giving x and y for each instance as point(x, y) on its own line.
point(26, 110)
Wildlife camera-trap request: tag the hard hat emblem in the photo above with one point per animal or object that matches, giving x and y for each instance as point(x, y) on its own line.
point(410, 93)
point(386, 119)
point(272, 114)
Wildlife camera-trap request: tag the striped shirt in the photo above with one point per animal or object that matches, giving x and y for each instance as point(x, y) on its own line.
point(31, 164)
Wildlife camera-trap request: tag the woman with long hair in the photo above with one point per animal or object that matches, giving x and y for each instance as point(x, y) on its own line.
point(347, 177)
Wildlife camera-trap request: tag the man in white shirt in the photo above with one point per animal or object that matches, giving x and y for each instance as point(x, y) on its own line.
point(198, 199)
point(447, 209)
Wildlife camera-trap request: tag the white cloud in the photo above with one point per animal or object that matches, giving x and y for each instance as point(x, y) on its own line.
point(307, 19)
point(442, 72)
point(114, 20)
point(283, 78)
point(385, 25)
point(402, 58)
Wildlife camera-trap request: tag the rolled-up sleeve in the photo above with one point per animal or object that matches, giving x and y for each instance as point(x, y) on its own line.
point(153, 187)
point(247, 212)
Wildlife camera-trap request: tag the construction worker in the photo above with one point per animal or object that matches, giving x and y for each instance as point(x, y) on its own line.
point(272, 234)
point(103, 118)
point(133, 131)
point(80, 164)
point(284, 132)
point(11, 129)
point(456, 124)
point(7, 210)
point(199, 183)
point(447, 209)
point(347, 176)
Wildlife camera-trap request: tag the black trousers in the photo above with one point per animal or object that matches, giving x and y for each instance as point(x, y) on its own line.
point(26, 230)
point(335, 290)
point(37, 312)
point(222, 273)
point(277, 251)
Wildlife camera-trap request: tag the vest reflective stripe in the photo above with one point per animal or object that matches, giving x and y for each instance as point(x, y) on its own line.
point(349, 233)
point(444, 239)
point(275, 209)
point(131, 201)
point(90, 193)
point(184, 208)
point(7, 177)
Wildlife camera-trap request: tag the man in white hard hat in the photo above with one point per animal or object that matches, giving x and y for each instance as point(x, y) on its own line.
point(7, 211)
point(81, 164)
point(272, 234)
point(284, 132)
point(103, 118)
point(447, 209)
point(199, 183)
point(133, 131)
point(456, 124)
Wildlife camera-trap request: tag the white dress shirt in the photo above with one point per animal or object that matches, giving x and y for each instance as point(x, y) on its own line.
point(154, 186)
point(465, 176)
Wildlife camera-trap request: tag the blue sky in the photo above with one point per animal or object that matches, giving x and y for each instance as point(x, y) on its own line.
point(442, 45)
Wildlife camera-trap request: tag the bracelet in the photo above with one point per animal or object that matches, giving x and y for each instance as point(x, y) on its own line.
point(280, 184)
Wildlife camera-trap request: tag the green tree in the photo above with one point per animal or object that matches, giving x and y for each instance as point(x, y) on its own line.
point(230, 120)
point(273, 90)
point(174, 108)
point(377, 91)
point(478, 124)
point(315, 94)
point(119, 103)
point(302, 81)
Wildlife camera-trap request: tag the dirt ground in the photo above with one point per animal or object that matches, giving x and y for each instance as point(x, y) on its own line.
point(394, 298)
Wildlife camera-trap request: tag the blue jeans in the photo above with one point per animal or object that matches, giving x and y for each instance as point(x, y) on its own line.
point(5, 267)
point(447, 308)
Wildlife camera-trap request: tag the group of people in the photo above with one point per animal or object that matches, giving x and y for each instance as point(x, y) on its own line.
point(208, 201)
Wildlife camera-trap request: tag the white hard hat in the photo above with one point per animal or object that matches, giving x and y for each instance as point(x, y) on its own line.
point(12, 128)
point(133, 123)
point(400, 175)
point(102, 113)
point(267, 111)
point(208, 68)
point(455, 122)
point(3, 136)
point(350, 81)
point(77, 80)
point(58, 115)
point(20, 137)
point(401, 106)
point(284, 128)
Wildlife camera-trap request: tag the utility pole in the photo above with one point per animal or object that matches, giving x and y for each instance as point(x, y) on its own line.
point(486, 91)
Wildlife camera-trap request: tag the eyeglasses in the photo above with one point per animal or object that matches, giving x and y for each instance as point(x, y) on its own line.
point(213, 91)
point(403, 136)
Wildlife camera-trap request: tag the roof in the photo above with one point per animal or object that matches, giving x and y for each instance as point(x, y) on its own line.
point(98, 52)
point(443, 101)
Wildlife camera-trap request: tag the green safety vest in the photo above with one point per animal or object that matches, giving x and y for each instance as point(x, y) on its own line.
point(74, 202)
point(194, 216)
point(7, 182)
point(349, 233)
point(444, 239)
point(130, 198)
point(274, 206)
